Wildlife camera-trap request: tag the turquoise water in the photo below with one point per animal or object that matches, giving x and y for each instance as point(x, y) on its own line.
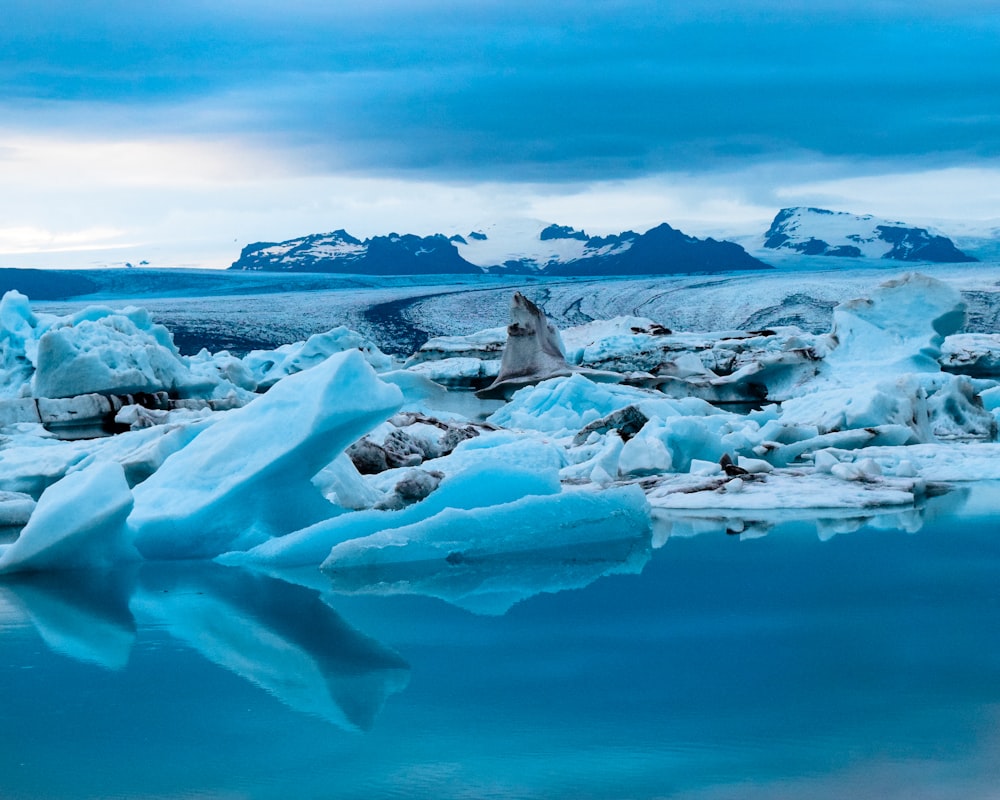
point(715, 666)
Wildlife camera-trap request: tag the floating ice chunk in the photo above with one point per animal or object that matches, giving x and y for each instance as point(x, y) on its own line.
point(700, 467)
point(18, 344)
point(99, 350)
point(956, 409)
point(31, 463)
point(342, 484)
point(879, 435)
point(459, 373)
point(783, 490)
point(526, 525)
point(754, 466)
point(509, 447)
point(644, 455)
point(938, 461)
point(600, 330)
point(861, 470)
point(974, 354)
point(109, 353)
point(79, 522)
point(224, 369)
point(899, 402)
point(269, 366)
point(941, 405)
point(419, 391)
point(248, 476)
point(482, 346)
point(824, 461)
point(990, 398)
point(566, 405)
point(490, 482)
point(899, 328)
point(604, 462)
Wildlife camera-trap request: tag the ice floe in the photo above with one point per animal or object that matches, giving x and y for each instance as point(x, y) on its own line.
point(329, 453)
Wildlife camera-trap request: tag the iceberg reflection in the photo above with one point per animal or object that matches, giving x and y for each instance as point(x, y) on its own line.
point(78, 613)
point(279, 636)
point(827, 522)
point(492, 585)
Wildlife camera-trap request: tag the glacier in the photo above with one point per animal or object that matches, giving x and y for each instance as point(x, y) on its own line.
point(328, 452)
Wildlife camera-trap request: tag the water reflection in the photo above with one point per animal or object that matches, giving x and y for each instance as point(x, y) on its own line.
point(492, 586)
point(78, 613)
point(779, 666)
point(754, 523)
point(277, 635)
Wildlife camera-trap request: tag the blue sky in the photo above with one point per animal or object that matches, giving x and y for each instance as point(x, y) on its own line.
point(178, 132)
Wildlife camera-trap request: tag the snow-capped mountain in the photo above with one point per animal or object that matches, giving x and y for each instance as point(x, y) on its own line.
point(522, 247)
point(818, 232)
point(340, 252)
point(527, 247)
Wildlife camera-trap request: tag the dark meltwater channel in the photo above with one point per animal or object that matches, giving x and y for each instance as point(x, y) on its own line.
point(783, 666)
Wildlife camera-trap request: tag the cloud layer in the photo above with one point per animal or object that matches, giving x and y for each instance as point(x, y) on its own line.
point(558, 96)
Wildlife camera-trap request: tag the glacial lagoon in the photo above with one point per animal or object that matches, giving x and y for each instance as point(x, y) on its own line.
point(824, 659)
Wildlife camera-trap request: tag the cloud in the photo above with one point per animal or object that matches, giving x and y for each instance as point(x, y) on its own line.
point(970, 193)
point(522, 91)
point(27, 239)
point(192, 128)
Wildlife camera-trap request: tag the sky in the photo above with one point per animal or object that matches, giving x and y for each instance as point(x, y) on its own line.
point(176, 133)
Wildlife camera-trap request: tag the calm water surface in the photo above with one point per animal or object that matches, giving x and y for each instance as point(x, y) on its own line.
point(716, 666)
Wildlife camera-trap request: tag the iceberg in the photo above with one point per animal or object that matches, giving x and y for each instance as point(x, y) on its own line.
point(79, 522)
point(533, 352)
point(248, 476)
point(100, 350)
point(569, 519)
point(32, 461)
point(563, 406)
point(490, 482)
point(899, 328)
point(267, 367)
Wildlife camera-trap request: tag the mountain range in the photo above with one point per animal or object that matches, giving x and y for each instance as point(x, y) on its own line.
point(532, 250)
point(530, 247)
